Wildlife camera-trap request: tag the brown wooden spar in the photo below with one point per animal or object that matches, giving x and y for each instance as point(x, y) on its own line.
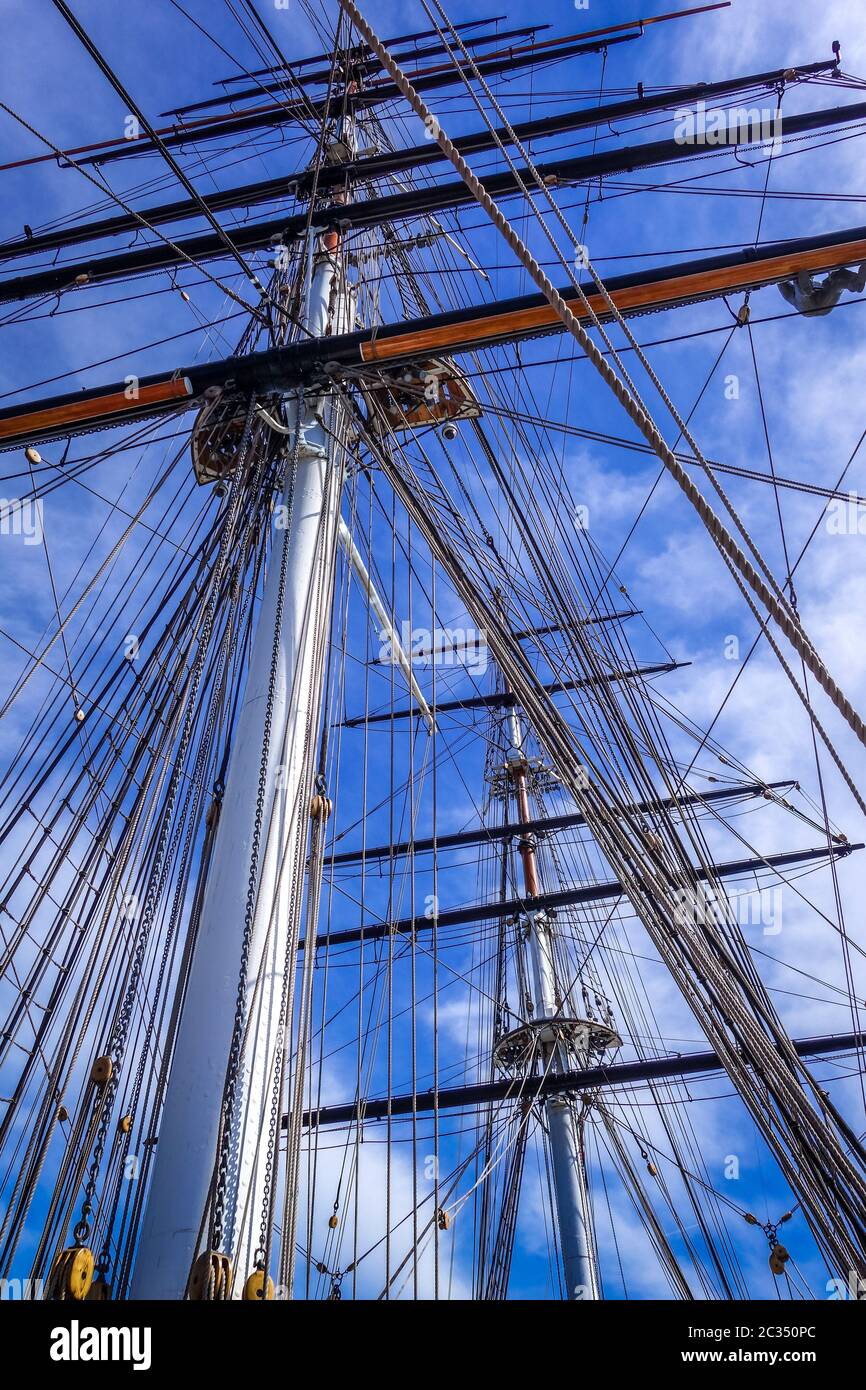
point(114, 406)
point(660, 294)
point(281, 369)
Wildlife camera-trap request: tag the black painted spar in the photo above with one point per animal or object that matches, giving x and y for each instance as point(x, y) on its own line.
point(416, 202)
point(544, 825)
point(388, 346)
point(619, 1074)
point(552, 902)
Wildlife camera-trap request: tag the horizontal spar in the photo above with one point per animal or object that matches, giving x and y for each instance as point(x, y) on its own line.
point(609, 29)
point(460, 330)
point(364, 50)
point(506, 700)
point(330, 176)
point(264, 117)
point(620, 1074)
point(370, 212)
point(528, 633)
point(544, 825)
point(567, 897)
point(362, 63)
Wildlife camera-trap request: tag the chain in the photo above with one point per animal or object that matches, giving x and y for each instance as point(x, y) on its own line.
point(117, 1042)
point(230, 1093)
point(226, 649)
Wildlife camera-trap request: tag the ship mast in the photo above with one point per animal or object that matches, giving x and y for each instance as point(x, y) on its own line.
point(240, 1037)
point(559, 1048)
point(264, 818)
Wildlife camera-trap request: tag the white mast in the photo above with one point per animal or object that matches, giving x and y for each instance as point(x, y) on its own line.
point(564, 1044)
point(188, 1132)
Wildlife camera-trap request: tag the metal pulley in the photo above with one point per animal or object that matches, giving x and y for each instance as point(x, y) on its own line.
point(257, 1289)
point(210, 1279)
point(100, 1291)
point(71, 1275)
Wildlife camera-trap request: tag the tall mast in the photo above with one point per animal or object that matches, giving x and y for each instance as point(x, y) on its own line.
point(559, 1043)
point(269, 786)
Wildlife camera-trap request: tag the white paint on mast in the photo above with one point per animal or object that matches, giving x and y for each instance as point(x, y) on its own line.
point(566, 1148)
point(187, 1143)
point(560, 1051)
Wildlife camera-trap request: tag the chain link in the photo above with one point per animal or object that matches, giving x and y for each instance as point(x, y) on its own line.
point(218, 1212)
point(117, 1042)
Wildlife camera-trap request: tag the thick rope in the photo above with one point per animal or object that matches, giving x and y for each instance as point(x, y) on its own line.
point(543, 189)
point(719, 533)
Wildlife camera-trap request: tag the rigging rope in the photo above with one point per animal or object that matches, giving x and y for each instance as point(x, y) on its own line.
point(721, 536)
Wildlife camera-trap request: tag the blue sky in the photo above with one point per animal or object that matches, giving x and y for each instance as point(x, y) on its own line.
point(811, 374)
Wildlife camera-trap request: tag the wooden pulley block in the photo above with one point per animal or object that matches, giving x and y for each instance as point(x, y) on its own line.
point(71, 1275)
point(321, 807)
point(256, 1289)
point(210, 1279)
point(216, 437)
point(778, 1259)
point(101, 1071)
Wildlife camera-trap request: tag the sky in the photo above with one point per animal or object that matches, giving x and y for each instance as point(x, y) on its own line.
point(810, 373)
